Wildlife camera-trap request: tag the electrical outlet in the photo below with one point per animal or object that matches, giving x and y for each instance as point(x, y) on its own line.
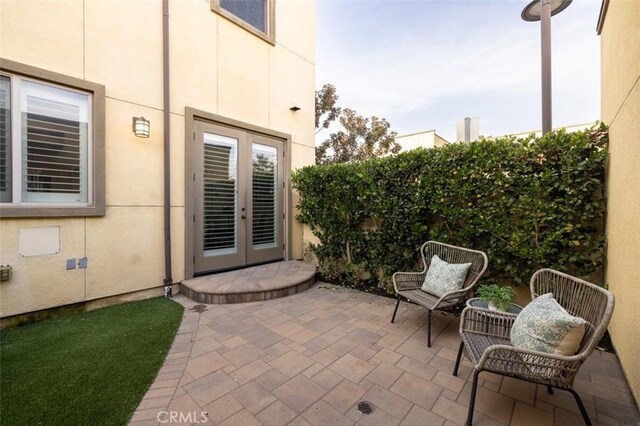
point(82, 263)
point(71, 264)
point(5, 272)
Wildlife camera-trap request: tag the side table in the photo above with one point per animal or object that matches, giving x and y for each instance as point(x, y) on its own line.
point(476, 302)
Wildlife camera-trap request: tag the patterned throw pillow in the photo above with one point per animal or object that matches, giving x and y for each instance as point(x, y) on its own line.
point(443, 277)
point(545, 326)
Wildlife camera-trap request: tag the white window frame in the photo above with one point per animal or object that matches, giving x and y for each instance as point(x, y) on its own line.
point(95, 161)
point(17, 148)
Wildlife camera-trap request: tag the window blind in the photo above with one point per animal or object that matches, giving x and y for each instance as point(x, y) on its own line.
point(5, 139)
point(253, 12)
point(220, 195)
point(265, 201)
point(55, 143)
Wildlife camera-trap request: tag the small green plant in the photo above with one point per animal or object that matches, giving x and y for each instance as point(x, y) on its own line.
point(499, 296)
point(331, 269)
point(353, 273)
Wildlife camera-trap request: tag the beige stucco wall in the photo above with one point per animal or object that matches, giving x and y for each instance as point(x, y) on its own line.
point(440, 141)
point(216, 66)
point(426, 139)
point(620, 40)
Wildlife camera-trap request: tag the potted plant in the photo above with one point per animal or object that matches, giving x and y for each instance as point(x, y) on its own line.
point(496, 296)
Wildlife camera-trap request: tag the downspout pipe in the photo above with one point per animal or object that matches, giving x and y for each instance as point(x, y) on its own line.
point(168, 280)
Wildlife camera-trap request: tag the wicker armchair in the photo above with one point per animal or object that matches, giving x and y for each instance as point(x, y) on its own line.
point(408, 284)
point(486, 337)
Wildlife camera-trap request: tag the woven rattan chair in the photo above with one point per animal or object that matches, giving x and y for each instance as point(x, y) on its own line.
point(408, 284)
point(485, 337)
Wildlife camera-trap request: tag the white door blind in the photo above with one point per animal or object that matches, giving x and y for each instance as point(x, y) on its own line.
point(5, 139)
point(55, 126)
point(253, 12)
point(220, 195)
point(265, 195)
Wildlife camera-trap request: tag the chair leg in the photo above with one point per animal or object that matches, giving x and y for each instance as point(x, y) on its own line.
point(428, 328)
point(455, 369)
point(549, 390)
point(583, 410)
point(395, 311)
point(472, 401)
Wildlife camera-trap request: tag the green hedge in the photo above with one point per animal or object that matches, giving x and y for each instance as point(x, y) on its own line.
point(527, 203)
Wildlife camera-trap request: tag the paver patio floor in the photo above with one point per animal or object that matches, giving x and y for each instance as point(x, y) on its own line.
point(308, 359)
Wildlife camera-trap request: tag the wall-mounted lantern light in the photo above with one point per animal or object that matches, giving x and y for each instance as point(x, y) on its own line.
point(141, 127)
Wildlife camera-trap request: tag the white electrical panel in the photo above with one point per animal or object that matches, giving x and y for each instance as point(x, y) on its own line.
point(39, 241)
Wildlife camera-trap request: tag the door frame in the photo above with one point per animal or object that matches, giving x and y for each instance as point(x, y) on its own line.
point(192, 116)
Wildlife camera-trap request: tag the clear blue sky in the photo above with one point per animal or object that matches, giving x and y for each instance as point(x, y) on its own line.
point(423, 64)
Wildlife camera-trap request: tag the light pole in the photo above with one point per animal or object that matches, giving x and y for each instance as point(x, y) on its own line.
point(543, 10)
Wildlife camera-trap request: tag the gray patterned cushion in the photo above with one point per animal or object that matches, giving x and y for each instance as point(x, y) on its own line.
point(443, 277)
point(545, 326)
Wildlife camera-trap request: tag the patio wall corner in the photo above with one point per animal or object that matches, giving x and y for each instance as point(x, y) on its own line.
point(620, 44)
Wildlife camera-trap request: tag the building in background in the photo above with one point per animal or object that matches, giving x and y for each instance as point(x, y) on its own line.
point(83, 198)
point(538, 133)
point(426, 139)
point(619, 29)
point(467, 129)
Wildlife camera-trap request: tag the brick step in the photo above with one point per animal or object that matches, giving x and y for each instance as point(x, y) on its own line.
point(252, 284)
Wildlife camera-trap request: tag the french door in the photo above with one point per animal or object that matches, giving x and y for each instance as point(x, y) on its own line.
point(239, 201)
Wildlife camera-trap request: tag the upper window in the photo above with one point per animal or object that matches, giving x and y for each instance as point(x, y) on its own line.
point(253, 12)
point(46, 149)
point(253, 15)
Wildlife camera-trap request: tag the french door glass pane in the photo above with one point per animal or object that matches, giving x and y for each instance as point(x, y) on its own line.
point(265, 195)
point(55, 125)
point(220, 192)
point(5, 139)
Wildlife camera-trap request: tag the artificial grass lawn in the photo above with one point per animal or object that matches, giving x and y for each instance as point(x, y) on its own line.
point(90, 368)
